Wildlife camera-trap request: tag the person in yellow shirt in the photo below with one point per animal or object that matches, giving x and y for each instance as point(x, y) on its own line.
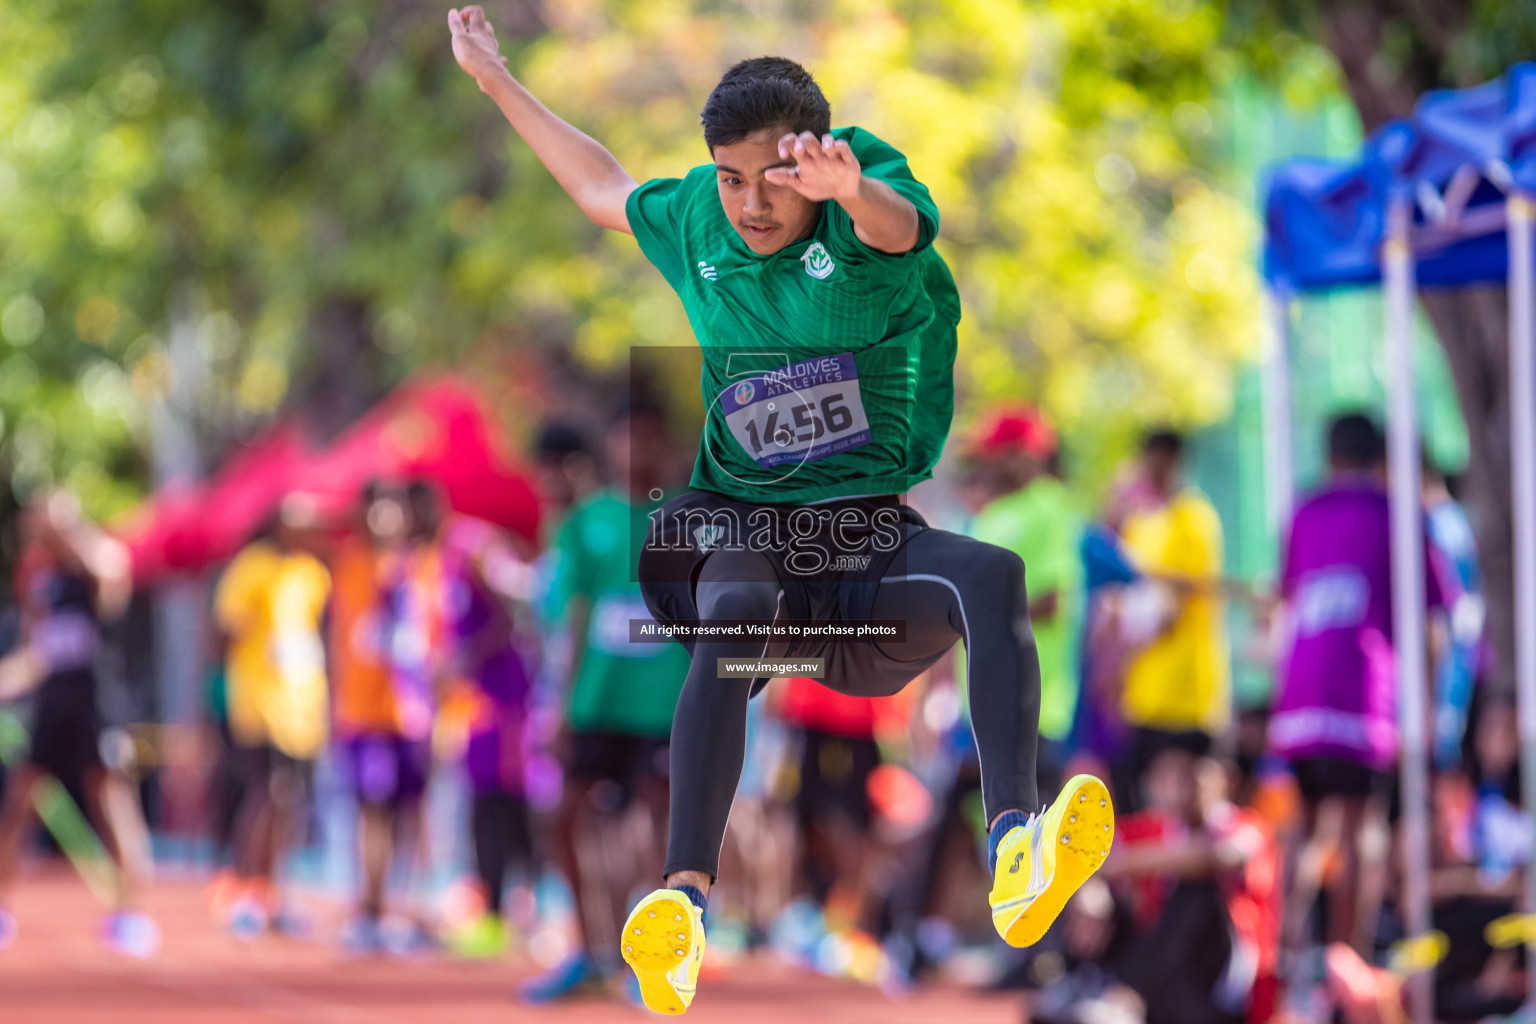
point(269, 605)
point(1177, 686)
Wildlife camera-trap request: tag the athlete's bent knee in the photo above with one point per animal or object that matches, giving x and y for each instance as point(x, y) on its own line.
point(1009, 566)
point(998, 576)
point(737, 602)
point(995, 571)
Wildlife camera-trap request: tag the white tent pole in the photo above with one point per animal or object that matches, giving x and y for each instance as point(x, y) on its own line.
point(1279, 474)
point(1522, 425)
point(1408, 582)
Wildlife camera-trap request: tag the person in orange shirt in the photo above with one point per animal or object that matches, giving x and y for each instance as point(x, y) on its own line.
point(384, 761)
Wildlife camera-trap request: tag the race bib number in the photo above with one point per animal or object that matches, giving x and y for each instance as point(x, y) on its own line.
point(798, 413)
point(609, 633)
point(1332, 598)
point(297, 654)
point(66, 641)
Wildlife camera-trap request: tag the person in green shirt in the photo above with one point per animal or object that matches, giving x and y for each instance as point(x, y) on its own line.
point(1031, 513)
point(621, 693)
point(804, 258)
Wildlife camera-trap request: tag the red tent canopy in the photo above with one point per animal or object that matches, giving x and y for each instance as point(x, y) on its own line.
point(437, 430)
point(186, 527)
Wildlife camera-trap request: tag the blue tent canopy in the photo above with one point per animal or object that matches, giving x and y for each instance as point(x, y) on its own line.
point(1449, 130)
point(1520, 126)
point(1325, 219)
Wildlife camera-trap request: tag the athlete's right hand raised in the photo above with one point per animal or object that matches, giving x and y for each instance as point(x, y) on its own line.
point(588, 172)
point(474, 44)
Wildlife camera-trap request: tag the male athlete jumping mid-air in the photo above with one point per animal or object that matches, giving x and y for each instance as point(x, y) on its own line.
point(803, 256)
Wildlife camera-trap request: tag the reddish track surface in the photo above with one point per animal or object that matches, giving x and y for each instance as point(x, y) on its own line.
point(57, 973)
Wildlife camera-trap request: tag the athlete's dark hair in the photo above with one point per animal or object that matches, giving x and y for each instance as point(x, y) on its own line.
point(425, 503)
point(421, 493)
point(557, 441)
point(377, 489)
point(1164, 442)
point(1355, 442)
point(771, 93)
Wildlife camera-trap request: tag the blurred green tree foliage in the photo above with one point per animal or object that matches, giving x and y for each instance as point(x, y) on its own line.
point(318, 192)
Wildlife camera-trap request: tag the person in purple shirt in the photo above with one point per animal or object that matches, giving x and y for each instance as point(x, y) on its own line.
point(1335, 713)
point(485, 579)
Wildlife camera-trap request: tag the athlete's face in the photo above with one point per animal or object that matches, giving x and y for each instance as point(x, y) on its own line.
point(768, 217)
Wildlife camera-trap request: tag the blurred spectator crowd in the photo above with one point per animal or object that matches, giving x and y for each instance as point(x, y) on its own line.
point(445, 686)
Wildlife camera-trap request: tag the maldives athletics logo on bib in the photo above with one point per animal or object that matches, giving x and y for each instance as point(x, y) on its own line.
point(818, 262)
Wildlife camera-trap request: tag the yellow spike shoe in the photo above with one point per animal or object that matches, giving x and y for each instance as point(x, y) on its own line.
point(1042, 863)
point(664, 945)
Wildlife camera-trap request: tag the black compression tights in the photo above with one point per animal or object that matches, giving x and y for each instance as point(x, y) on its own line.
point(953, 588)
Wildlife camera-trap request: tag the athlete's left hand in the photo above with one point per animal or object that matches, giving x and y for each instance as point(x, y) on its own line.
point(825, 168)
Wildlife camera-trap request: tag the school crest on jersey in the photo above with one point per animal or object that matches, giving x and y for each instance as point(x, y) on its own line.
point(706, 537)
point(818, 262)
